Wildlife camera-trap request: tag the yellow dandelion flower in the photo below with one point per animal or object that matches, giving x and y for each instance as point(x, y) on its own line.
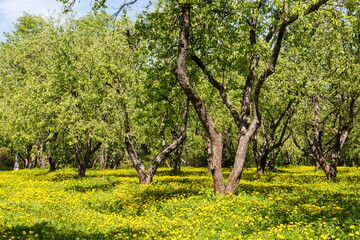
point(281, 236)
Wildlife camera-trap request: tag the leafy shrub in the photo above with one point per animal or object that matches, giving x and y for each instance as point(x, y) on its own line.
point(6, 159)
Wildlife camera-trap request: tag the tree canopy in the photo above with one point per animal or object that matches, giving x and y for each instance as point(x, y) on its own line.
point(261, 77)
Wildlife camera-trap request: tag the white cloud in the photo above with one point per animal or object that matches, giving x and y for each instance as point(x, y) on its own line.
point(13, 9)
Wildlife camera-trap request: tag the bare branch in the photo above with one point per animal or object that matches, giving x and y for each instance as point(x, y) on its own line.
point(124, 5)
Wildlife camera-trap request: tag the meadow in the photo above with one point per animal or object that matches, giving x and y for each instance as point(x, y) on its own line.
point(289, 203)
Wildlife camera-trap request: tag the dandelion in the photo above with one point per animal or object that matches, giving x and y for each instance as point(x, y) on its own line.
point(281, 236)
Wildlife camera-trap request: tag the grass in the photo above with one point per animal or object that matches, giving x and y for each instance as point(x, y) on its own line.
point(291, 203)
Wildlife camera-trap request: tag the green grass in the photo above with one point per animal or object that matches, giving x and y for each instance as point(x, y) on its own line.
point(291, 203)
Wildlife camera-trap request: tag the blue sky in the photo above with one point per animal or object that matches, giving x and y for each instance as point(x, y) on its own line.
point(10, 10)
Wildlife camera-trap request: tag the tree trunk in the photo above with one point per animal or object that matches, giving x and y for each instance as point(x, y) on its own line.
point(40, 155)
point(82, 168)
point(53, 164)
point(93, 166)
point(177, 154)
point(83, 161)
point(118, 160)
point(260, 158)
point(187, 157)
point(28, 161)
point(17, 165)
point(147, 178)
point(206, 120)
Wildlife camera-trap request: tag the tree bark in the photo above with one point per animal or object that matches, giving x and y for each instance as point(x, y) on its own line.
point(83, 161)
point(199, 106)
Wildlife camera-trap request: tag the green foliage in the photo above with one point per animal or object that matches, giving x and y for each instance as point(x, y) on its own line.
point(7, 159)
point(57, 78)
point(55, 75)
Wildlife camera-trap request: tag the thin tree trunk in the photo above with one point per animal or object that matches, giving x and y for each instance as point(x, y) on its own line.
point(187, 157)
point(83, 161)
point(95, 163)
point(118, 160)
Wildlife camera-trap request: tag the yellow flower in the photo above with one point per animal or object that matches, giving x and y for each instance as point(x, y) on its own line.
point(281, 236)
point(352, 227)
point(351, 234)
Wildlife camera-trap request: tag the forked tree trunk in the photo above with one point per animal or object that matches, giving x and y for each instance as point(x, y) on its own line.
point(287, 157)
point(146, 178)
point(28, 160)
point(53, 164)
point(83, 160)
point(175, 157)
point(247, 127)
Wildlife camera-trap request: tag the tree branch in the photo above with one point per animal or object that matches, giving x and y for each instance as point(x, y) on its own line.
point(220, 88)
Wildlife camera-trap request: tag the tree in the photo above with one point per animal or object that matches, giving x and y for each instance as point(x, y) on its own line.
point(243, 120)
point(277, 107)
point(62, 70)
point(331, 90)
point(265, 25)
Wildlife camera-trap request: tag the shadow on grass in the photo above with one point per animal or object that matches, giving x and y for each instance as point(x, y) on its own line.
point(46, 231)
point(136, 205)
point(308, 205)
point(102, 186)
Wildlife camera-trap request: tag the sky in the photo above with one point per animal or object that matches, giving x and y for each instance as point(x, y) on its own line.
point(10, 10)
